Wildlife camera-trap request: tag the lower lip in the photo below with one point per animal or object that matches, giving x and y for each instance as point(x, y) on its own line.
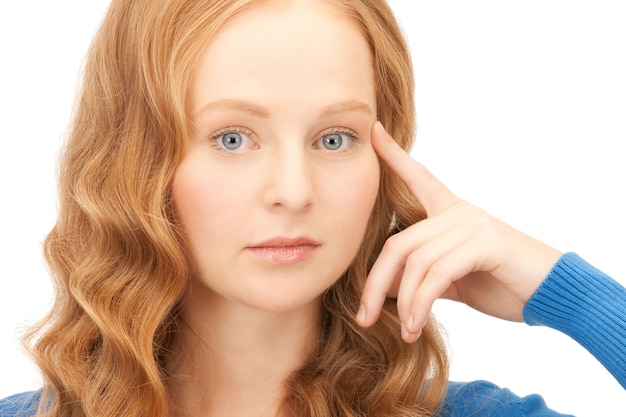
point(283, 255)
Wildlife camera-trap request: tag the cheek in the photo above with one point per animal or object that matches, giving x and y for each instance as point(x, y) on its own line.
point(201, 201)
point(190, 194)
point(352, 206)
point(355, 195)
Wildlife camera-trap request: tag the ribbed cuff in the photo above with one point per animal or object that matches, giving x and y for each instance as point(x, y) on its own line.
point(587, 305)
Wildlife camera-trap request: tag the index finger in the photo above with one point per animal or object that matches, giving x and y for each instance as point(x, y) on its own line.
point(432, 193)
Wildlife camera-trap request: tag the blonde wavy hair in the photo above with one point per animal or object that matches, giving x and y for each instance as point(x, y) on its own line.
point(118, 262)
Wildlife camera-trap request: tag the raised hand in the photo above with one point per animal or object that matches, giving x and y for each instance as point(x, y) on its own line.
point(459, 252)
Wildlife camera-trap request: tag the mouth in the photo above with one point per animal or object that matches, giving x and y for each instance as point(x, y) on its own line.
point(284, 251)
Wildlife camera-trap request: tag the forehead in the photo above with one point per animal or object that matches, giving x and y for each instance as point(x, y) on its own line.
point(281, 50)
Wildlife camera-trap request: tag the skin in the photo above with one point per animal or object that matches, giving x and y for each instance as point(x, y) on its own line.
point(282, 91)
point(459, 252)
point(272, 79)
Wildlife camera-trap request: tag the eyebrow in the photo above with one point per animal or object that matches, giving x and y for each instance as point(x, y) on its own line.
point(346, 106)
point(235, 104)
point(260, 111)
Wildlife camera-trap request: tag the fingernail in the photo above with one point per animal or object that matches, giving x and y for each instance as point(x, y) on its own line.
point(404, 332)
point(380, 128)
point(409, 322)
point(361, 316)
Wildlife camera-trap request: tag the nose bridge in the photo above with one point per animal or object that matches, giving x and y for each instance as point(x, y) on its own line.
point(290, 183)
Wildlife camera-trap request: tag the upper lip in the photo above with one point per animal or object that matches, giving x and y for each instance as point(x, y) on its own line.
point(282, 242)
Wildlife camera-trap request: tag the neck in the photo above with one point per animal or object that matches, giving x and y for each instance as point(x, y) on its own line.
point(236, 359)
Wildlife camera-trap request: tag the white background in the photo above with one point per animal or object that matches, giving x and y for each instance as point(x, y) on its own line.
point(522, 111)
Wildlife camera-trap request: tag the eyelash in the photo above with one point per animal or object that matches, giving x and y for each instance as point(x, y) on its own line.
point(229, 129)
point(354, 137)
point(215, 137)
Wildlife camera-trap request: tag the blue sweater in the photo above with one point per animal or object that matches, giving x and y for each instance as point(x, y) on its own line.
point(575, 299)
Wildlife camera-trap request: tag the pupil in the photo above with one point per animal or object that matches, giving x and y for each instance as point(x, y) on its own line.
point(231, 140)
point(333, 142)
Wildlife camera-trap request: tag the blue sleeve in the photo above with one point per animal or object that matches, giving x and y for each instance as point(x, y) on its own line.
point(482, 398)
point(587, 305)
point(20, 405)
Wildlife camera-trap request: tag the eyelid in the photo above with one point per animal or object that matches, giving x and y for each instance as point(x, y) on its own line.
point(355, 139)
point(338, 129)
point(231, 129)
point(217, 135)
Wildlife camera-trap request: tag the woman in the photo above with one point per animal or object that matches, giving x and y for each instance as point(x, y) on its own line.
point(222, 205)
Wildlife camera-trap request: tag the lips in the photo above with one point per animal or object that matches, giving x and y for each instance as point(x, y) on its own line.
point(283, 250)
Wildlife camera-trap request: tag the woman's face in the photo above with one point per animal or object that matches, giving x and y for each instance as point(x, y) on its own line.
point(279, 180)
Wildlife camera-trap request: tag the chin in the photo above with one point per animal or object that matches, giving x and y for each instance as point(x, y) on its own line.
point(282, 303)
point(285, 297)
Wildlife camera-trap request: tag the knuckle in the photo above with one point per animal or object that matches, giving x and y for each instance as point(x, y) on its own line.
point(424, 299)
point(438, 271)
point(415, 261)
point(393, 243)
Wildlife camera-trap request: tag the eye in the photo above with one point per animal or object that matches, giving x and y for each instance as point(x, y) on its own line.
point(338, 139)
point(232, 139)
point(332, 142)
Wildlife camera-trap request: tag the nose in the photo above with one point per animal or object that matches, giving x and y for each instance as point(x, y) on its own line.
point(289, 183)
